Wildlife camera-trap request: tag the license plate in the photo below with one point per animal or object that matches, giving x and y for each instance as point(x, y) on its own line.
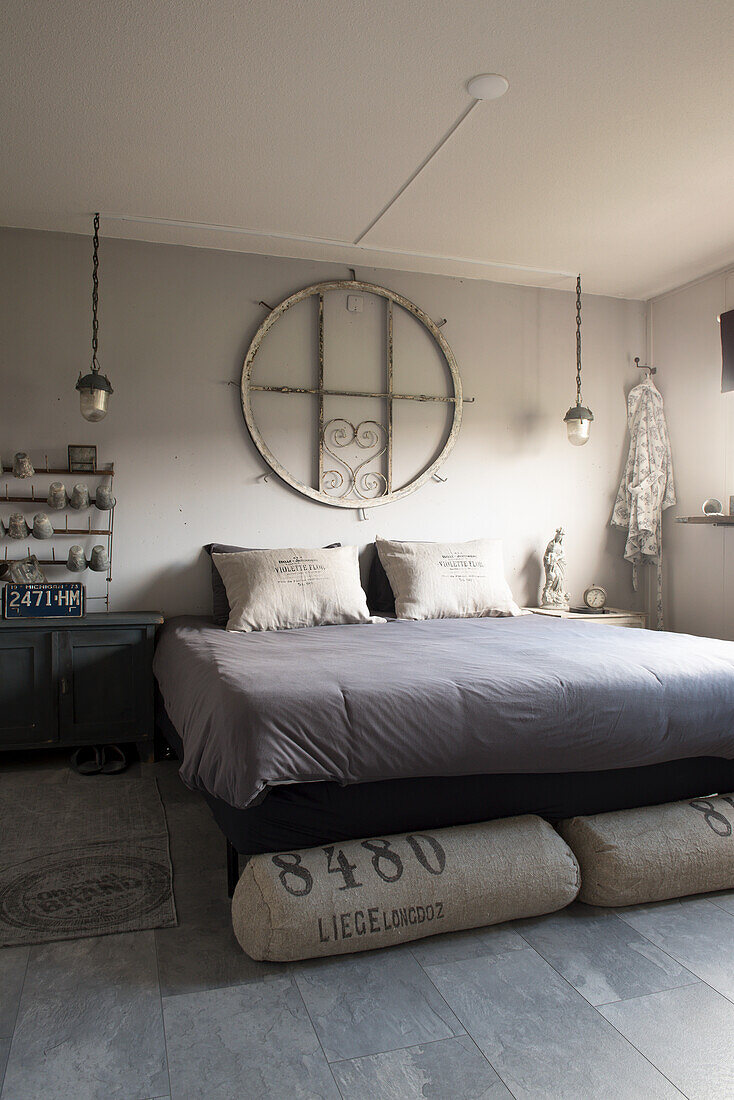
point(43, 600)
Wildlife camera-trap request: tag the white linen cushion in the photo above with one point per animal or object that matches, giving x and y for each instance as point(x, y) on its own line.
point(447, 580)
point(288, 588)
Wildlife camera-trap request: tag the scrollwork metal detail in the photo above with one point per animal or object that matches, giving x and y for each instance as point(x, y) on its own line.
point(361, 484)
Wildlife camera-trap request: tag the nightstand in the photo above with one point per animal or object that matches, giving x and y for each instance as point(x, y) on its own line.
point(636, 620)
point(73, 682)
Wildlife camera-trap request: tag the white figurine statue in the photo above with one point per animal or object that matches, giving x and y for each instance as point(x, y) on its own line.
point(554, 563)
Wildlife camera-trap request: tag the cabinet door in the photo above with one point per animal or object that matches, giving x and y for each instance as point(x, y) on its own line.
point(27, 689)
point(104, 686)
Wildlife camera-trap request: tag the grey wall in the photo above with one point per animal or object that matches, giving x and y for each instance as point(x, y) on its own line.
point(699, 560)
point(175, 325)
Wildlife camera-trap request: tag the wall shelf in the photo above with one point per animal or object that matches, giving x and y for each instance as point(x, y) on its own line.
point(15, 547)
point(103, 472)
point(710, 521)
point(108, 471)
point(42, 500)
point(69, 531)
point(61, 563)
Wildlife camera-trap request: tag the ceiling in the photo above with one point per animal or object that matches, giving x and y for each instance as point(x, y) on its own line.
point(285, 126)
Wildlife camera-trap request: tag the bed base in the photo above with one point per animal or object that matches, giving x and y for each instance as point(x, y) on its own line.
point(233, 867)
point(306, 815)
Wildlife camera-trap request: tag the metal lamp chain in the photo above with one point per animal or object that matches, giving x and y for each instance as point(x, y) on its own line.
point(95, 294)
point(578, 340)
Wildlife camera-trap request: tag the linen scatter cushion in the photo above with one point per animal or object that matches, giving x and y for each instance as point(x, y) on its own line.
point(290, 588)
point(447, 580)
point(220, 603)
point(363, 894)
point(632, 857)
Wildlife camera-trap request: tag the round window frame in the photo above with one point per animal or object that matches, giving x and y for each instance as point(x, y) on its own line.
point(256, 435)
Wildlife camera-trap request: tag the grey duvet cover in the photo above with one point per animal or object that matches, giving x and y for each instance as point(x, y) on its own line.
point(437, 698)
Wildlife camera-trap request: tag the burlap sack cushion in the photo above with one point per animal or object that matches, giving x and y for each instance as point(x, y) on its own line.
point(364, 894)
point(655, 852)
point(447, 580)
point(289, 588)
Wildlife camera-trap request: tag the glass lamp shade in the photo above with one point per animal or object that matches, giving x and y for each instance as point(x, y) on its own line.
point(94, 393)
point(578, 423)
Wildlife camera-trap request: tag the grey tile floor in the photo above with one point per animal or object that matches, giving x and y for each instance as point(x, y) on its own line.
point(586, 1003)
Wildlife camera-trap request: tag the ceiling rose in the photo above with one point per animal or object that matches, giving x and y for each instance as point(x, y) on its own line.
point(488, 86)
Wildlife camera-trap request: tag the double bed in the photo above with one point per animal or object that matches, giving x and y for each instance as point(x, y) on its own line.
point(308, 736)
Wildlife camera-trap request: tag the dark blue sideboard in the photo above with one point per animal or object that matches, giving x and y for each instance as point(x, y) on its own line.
point(76, 682)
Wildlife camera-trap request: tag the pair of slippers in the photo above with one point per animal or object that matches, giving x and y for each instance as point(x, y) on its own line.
point(91, 760)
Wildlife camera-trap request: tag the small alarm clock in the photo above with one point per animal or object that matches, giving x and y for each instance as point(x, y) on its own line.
point(595, 597)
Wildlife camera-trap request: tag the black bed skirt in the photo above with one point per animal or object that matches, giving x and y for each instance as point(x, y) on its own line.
point(303, 815)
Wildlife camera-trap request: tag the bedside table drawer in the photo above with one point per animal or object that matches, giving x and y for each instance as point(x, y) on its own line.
point(634, 620)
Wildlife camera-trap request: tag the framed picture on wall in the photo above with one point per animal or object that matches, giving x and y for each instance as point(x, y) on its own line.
point(82, 458)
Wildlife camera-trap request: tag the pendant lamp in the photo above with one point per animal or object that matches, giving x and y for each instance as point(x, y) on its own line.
point(578, 418)
point(94, 388)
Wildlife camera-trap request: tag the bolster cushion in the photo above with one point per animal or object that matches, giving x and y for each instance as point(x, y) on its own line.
point(655, 852)
point(363, 894)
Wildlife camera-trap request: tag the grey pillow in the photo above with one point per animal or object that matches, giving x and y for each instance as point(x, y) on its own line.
point(380, 596)
point(220, 603)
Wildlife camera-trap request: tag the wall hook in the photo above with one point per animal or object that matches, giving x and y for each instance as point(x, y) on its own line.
point(437, 477)
point(643, 366)
point(442, 322)
point(353, 273)
point(265, 306)
point(362, 514)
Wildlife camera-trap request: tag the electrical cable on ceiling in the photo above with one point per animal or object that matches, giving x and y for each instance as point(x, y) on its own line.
point(414, 175)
